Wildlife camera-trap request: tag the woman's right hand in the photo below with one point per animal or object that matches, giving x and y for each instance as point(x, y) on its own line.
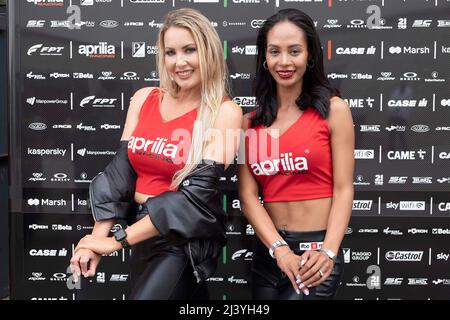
point(290, 263)
point(79, 263)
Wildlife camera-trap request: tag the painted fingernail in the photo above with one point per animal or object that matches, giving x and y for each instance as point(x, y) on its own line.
point(298, 281)
point(306, 291)
point(298, 291)
point(301, 286)
point(309, 285)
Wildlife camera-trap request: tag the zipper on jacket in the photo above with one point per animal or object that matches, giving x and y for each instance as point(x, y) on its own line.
point(197, 276)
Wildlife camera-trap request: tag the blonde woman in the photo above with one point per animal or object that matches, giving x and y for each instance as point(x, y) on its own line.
point(165, 175)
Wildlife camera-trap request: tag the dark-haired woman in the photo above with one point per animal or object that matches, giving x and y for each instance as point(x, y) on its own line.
point(299, 150)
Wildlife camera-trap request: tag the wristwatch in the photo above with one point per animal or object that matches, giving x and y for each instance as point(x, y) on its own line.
point(121, 236)
point(276, 244)
point(329, 253)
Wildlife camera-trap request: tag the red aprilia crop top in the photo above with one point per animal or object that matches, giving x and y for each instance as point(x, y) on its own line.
point(302, 169)
point(154, 154)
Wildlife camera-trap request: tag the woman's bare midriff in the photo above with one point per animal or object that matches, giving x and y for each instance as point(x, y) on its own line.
point(141, 197)
point(305, 215)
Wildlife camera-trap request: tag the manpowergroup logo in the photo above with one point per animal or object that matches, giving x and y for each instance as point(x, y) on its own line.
point(404, 256)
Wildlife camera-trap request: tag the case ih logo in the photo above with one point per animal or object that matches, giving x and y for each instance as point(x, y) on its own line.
point(404, 255)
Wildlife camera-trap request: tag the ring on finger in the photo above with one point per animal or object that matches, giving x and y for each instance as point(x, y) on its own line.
point(320, 273)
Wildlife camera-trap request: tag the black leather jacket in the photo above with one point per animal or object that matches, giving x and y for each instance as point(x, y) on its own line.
point(192, 216)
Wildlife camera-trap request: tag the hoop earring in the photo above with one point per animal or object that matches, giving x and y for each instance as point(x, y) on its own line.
point(313, 63)
point(265, 65)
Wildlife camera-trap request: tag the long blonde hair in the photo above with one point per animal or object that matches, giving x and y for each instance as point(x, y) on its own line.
point(213, 74)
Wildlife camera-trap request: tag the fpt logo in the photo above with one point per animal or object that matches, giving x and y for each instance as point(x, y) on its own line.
point(41, 50)
point(98, 102)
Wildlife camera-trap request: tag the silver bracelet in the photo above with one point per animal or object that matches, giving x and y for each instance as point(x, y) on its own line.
point(275, 245)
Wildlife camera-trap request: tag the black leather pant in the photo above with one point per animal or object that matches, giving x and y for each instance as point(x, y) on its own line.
point(162, 271)
point(270, 283)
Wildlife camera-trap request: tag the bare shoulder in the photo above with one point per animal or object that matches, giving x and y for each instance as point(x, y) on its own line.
point(337, 104)
point(139, 98)
point(339, 109)
point(230, 113)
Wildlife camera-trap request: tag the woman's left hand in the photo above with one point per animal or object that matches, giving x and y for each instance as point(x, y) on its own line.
point(100, 245)
point(315, 268)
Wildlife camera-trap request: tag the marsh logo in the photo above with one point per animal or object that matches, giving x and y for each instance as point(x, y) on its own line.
point(409, 50)
point(47, 202)
point(404, 256)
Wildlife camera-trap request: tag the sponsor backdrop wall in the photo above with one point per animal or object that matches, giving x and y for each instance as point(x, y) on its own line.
point(70, 90)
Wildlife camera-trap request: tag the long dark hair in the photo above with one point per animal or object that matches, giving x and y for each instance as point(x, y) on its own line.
point(316, 90)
